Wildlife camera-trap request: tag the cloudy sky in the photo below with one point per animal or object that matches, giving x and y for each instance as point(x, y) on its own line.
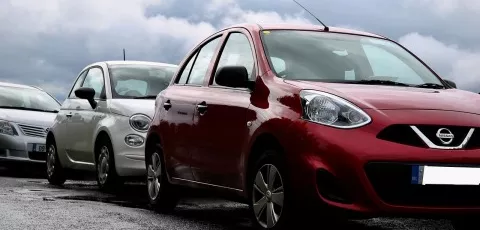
point(46, 43)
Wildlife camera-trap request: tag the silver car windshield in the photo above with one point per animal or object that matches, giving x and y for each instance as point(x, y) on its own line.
point(27, 99)
point(342, 58)
point(139, 81)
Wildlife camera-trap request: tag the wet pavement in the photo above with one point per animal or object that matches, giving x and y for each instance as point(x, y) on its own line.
point(27, 201)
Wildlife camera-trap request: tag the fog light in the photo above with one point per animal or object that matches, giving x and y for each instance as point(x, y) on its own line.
point(330, 188)
point(134, 140)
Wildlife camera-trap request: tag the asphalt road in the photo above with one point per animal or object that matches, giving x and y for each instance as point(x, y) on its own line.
point(27, 201)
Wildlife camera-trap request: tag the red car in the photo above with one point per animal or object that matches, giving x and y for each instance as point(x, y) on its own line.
point(295, 118)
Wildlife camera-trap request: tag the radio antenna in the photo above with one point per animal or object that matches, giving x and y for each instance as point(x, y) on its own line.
point(326, 27)
point(124, 54)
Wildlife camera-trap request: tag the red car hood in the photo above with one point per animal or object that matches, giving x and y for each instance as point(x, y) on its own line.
point(396, 97)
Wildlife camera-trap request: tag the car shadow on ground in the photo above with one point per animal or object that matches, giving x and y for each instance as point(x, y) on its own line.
point(20, 170)
point(200, 208)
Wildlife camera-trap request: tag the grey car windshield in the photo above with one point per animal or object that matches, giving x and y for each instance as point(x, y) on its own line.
point(334, 57)
point(27, 99)
point(134, 81)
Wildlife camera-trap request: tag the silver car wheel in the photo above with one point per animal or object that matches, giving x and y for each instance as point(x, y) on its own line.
point(154, 173)
point(268, 196)
point(51, 161)
point(103, 165)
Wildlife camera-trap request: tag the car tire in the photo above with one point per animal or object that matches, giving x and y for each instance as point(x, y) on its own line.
point(163, 196)
point(106, 173)
point(55, 172)
point(269, 201)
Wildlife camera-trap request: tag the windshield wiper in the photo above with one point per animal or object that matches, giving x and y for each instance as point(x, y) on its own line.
point(379, 82)
point(146, 97)
point(431, 86)
point(30, 109)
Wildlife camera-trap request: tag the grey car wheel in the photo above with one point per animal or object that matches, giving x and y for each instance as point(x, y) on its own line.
point(271, 206)
point(162, 195)
point(154, 175)
point(51, 158)
point(107, 178)
point(55, 171)
point(103, 165)
point(268, 196)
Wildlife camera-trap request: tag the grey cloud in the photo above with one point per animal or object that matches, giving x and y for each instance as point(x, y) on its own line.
point(48, 47)
point(450, 61)
point(48, 43)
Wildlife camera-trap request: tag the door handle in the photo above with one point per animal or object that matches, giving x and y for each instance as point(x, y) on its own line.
point(167, 105)
point(69, 115)
point(202, 108)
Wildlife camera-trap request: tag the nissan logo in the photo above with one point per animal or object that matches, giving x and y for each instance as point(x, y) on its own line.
point(445, 136)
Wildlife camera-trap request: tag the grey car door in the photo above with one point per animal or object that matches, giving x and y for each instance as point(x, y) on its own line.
point(84, 118)
point(63, 135)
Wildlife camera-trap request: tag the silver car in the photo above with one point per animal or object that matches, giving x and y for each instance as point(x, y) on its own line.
point(26, 114)
point(101, 126)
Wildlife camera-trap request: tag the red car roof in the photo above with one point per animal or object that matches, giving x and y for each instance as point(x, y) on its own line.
point(289, 26)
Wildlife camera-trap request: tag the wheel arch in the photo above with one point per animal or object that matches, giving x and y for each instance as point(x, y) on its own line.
point(151, 139)
point(99, 137)
point(261, 142)
point(50, 137)
point(104, 128)
point(272, 133)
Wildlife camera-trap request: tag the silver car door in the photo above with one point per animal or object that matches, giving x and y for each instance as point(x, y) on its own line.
point(85, 118)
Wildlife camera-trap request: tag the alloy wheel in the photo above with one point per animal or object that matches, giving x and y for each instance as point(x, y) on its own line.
point(154, 172)
point(51, 161)
point(103, 165)
point(268, 196)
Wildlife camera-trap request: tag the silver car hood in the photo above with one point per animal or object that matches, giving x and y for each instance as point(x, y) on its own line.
point(128, 107)
point(43, 119)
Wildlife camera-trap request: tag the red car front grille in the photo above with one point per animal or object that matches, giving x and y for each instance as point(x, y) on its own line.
point(404, 134)
point(401, 134)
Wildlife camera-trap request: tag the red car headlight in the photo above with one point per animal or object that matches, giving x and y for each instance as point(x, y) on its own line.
point(328, 109)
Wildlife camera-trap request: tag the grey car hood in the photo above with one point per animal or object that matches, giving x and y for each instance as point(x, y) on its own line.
point(37, 118)
point(128, 107)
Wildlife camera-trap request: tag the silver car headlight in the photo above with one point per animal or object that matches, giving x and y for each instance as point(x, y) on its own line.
point(7, 128)
point(140, 122)
point(331, 110)
point(134, 140)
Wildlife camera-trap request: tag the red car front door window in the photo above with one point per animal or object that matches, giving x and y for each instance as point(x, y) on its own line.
point(222, 129)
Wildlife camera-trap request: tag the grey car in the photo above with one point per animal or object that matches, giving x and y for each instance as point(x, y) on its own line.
point(26, 114)
point(102, 124)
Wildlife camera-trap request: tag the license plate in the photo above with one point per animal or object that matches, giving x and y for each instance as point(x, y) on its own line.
point(39, 148)
point(441, 175)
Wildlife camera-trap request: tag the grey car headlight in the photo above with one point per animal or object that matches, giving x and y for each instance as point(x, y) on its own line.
point(7, 128)
point(140, 122)
point(328, 109)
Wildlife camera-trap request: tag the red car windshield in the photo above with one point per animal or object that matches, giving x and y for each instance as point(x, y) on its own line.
point(334, 57)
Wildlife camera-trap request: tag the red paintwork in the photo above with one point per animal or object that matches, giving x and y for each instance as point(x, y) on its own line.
point(392, 97)
point(214, 148)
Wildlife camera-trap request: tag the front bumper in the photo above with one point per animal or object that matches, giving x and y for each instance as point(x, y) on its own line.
point(129, 160)
point(21, 148)
point(353, 170)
